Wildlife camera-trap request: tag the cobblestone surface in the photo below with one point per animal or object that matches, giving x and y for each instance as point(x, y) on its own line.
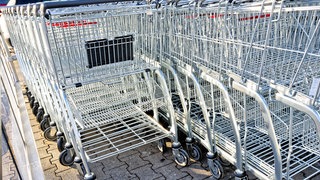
point(144, 163)
point(9, 171)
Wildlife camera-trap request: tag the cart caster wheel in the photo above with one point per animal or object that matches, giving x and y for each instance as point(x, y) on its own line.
point(162, 145)
point(60, 143)
point(216, 169)
point(91, 176)
point(65, 158)
point(224, 162)
point(40, 115)
point(45, 123)
point(35, 108)
point(195, 153)
point(182, 159)
point(50, 134)
point(29, 95)
point(32, 99)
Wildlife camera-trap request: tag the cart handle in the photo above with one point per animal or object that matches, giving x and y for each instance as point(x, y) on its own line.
point(61, 4)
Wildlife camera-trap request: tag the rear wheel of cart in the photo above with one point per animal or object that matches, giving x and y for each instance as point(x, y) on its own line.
point(35, 108)
point(216, 170)
point(60, 143)
point(45, 123)
point(50, 133)
point(66, 158)
point(32, 99)
point(182, 159)
point(29, 95)
point(195, 153)
point(162, 145)
point(40, 114)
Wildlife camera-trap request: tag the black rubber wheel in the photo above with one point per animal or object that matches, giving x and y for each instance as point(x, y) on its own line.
point(32, 99)
point(50, 134)
point(195, 153)
point(216, 170)
point(60, 143)
point(162, 145)
point(40, 115)
point(29, 95)
point(182, 159)
point(35, 108)
point(45, 123)
point(65, 158)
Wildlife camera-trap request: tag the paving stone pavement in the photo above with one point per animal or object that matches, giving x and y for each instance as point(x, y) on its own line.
point(9, 170)
point(144, 163)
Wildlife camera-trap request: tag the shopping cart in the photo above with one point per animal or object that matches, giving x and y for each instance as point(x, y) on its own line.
point(193, 99)
point(244, 48)
point(29, 53)
point(99, 65)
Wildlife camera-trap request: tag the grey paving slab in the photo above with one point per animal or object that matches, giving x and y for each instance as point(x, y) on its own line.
point(196, 171)
point(38, 135)
point(43, 153)
point(146, 173)
point(70, 174)
point(99, 171)
point(112, 162)
point(187, 178)
point(46, 164)
point(134, 161)
point(146, 151)
point(128, 153)
point(171, 172)
point(50, 174)
point(158, 160)
point(40, 144)
point(120, 173)
point(60, 167)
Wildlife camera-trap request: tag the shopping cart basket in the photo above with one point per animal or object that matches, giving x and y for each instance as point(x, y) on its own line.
point(219, 38)
point(102, 66)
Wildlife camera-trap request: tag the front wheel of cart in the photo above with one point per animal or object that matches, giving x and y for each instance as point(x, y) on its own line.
point(29, 94)
point(45, 123)
point(162, 145)
point(50, 133)
point(182, 159)
point(60, 143)
point(32, 100)
point(35, 108)
point(66, 158)
point(40, 115)
point(216, 169)
point(195, 153)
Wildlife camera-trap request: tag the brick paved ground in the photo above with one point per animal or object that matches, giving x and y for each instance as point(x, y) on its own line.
point(9, 171)
point(144, 163)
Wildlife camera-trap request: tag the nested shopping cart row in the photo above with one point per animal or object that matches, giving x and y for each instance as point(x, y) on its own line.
point(96, 86)
point(240, 78)
point(263, 59)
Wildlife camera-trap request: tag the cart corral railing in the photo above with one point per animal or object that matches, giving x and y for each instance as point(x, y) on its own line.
point(14, 120)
